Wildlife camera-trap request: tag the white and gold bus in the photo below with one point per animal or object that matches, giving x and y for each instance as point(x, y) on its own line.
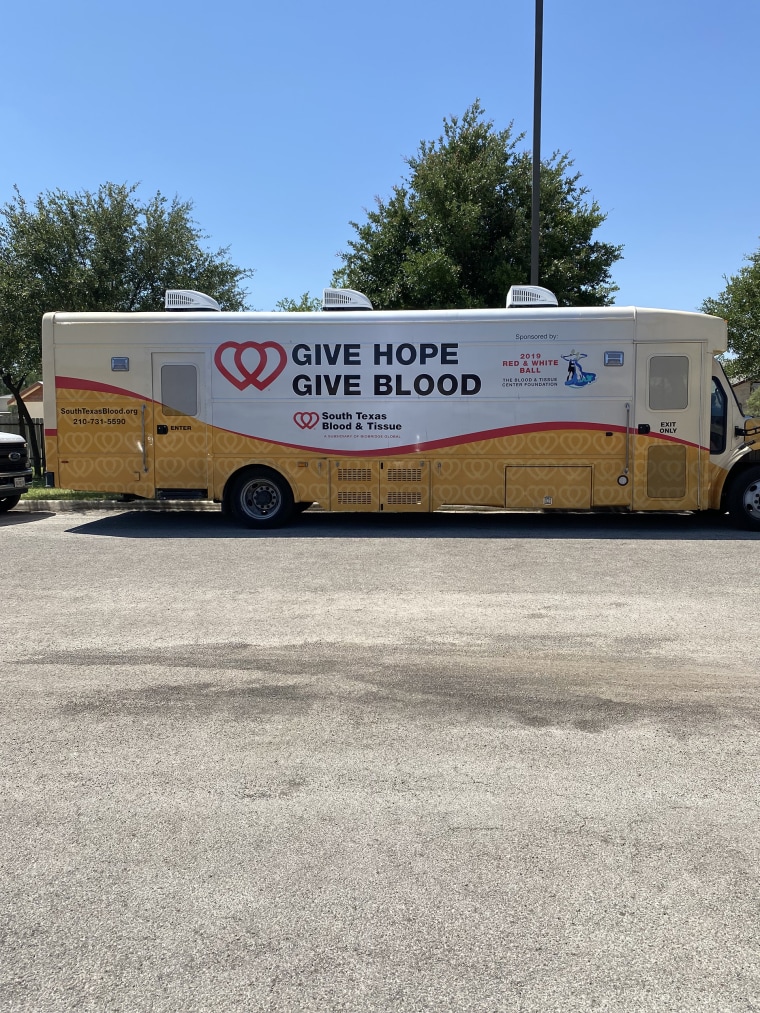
point(531, 407)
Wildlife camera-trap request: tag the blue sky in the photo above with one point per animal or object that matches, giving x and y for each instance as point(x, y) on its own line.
point(281, 122)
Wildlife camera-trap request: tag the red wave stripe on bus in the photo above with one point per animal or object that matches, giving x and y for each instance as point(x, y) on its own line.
point(75, 383)
point(453, 441)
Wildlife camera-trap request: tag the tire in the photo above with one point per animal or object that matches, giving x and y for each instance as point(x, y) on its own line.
point(260, 498)
point(743, 500)
point(8, 503)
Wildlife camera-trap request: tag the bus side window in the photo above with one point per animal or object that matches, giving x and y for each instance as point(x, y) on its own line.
point(718, 417)
point(668, 382)
point(179, 389)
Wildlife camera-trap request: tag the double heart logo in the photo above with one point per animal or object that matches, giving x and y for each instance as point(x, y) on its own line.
point(251, 364)
point(257, 364)
point(306, 420)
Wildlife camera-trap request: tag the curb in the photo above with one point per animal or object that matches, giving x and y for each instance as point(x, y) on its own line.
point(61, 506)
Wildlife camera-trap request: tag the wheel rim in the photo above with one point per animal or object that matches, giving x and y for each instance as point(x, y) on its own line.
point(260, 498)
point(752, 499)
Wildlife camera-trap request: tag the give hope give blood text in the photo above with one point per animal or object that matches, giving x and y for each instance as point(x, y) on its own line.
point(383, 384)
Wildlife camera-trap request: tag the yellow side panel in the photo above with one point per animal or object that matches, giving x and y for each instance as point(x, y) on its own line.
point(468, 480)
point(666, 471)
point(669, 476)
point(540, 488)
point(101, 443)
point(51, 453)
point(355, 484)
point(405, 485)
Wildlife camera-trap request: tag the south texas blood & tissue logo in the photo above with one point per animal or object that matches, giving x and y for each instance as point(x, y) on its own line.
point(306, 420)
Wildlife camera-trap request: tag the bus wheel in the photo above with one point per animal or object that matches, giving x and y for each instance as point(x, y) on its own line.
point(743, 499)
point(8, 503)
point(260, 498)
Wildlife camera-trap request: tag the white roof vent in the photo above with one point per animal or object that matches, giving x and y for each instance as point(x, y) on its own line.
point(530, 295)
point(185, 299)
point(344, 299)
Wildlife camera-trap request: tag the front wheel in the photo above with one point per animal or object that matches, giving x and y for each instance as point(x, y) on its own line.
point(260, 498)
point(8, 502)
point(743, 500)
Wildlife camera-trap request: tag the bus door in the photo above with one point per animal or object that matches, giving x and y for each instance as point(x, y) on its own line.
point(180, 434)
point(667, 426)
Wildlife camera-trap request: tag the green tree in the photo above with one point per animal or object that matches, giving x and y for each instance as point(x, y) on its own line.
point(739, 305)
point(306, 304)
point(457, 231)
point(752, 405)
point(106, 250)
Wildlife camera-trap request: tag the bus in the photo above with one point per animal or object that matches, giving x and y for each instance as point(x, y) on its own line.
point(530, 407)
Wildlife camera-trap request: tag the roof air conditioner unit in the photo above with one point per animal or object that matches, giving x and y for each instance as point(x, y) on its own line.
point(344, 299)
point(184, 299)
point(530, 295)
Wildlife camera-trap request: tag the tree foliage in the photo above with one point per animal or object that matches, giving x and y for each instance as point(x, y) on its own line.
point(457, 231)
point(99, 251)
point(752, 405)
point(739, 305)
point(306, 304)
point(105, 250)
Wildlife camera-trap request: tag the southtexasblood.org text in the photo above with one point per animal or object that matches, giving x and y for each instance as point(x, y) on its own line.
point(98, 411)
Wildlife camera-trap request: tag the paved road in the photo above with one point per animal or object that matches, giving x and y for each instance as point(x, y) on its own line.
point(451, 763)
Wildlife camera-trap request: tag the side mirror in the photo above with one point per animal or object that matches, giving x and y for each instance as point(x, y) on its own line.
point(750, 431)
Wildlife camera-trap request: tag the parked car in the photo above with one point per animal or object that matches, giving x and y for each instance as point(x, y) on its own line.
point(15, 473)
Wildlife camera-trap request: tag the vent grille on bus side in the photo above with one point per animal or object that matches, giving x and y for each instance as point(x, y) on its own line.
point(354, 474)
point(354, 497)
point(404, 474)
point(404, 499)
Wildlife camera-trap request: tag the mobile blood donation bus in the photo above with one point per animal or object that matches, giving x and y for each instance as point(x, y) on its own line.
point(533, 407)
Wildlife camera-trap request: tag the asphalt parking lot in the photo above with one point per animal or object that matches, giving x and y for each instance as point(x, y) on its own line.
point(453, 763)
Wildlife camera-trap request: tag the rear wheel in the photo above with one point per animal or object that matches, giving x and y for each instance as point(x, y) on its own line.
point(8, 502)
point(260, 498)
point(743, 500)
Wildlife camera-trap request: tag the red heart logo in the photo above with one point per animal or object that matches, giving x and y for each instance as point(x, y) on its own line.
point(306, 420)
point(265, 371)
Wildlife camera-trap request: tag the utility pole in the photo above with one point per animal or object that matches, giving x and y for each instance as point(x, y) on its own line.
point(536, 191)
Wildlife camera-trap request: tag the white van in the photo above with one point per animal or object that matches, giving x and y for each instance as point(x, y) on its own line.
point(15, 472)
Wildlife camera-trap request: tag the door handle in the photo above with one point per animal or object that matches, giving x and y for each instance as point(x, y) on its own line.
point(144, 442)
